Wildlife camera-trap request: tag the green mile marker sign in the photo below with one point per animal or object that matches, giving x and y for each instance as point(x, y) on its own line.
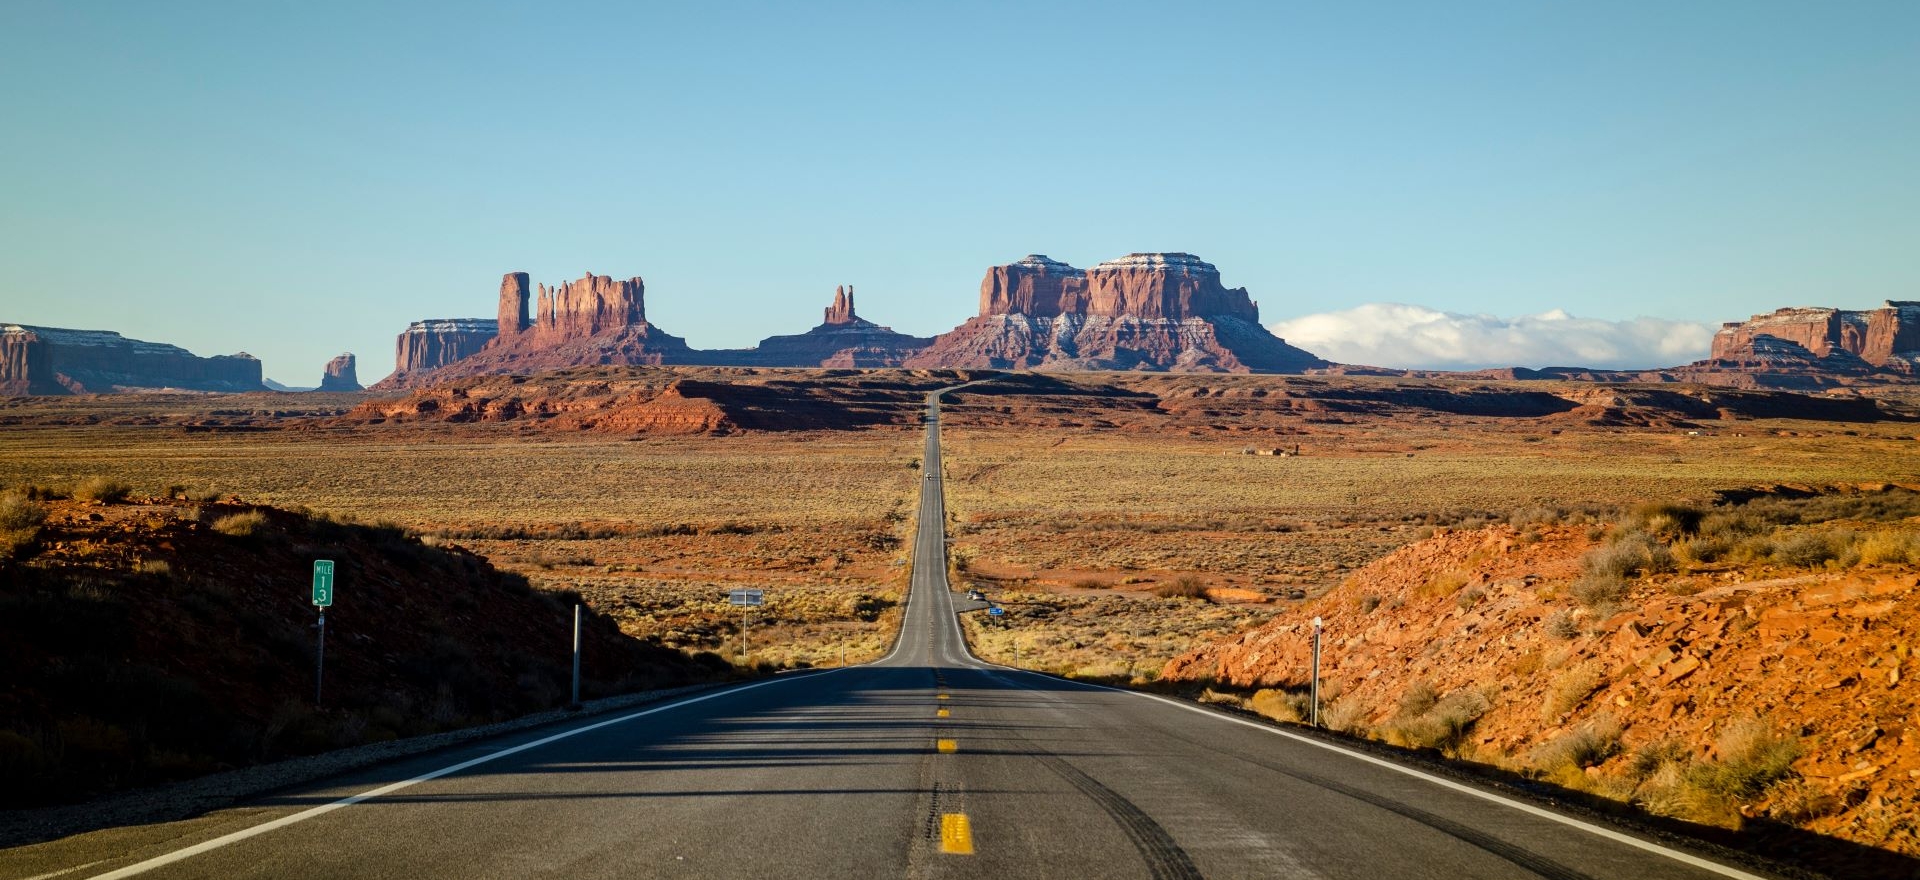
point(323, 582)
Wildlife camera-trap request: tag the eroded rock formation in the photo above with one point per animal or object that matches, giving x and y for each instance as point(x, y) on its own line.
point(340, 375)
point(593, 320)
point(52, 360)
point(1159, 311)
point(843, 340)
point(1886, 338)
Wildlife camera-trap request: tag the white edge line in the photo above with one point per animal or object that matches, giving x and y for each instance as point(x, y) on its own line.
point(1530, 809)
point(284, 821)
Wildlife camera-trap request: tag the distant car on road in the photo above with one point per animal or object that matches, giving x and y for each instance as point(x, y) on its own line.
point(976, 595)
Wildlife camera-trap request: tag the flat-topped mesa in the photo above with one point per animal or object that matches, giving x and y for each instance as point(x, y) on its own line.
point(340, 375)
point(1034, 285)
point(1172, 285)
point(1144, 311)
point(588, 307)
point(1887, 337)
point(55, 360)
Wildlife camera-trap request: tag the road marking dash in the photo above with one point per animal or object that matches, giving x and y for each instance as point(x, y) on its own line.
point(947, 746)
point(941, 697)
point(943, 713)
point(956, 834)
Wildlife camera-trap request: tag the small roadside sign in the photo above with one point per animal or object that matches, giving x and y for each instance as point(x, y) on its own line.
point(746, 597)
point(323, 582)
point(996, 611)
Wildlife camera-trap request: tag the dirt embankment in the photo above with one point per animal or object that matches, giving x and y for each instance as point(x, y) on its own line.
point(160, 639)
point(1764, 678)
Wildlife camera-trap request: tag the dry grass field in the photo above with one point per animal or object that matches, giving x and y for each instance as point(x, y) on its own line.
point(651, 531)
point(1095, 524)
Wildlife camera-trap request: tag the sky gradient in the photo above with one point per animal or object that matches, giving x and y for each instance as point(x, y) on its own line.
point(298, 180)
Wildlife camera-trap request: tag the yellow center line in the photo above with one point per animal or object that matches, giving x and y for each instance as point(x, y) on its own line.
point(956, 834)
point(941, 697)
point(942, 713)
point(947, 746)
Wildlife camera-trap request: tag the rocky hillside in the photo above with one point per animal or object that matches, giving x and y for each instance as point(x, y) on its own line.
point(158, 638)
point(1742, 663)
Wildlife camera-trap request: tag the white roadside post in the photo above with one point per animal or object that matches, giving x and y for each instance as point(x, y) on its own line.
point(576, 655)
point(1316, 672)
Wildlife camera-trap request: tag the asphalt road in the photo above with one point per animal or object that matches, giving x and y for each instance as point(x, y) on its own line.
point(929, 763)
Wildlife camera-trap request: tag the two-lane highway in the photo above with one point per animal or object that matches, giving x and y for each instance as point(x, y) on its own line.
point(929, 763)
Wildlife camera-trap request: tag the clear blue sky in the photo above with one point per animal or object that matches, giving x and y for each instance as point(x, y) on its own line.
point(298, 179)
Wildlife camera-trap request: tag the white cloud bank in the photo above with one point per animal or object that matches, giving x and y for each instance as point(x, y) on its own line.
point(1416, 337)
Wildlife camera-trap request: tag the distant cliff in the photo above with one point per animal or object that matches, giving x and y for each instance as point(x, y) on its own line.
point(433, 343)
point(1143, 311)
point(51, 360)
point(1887, 338)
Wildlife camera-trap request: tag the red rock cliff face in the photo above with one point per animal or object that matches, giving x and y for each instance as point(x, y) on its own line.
point(1164, 311)
point(51, 360)
point(578, 309)
point(843, 340)
point(1887, 337)
point(434, 343)
point(514, 294)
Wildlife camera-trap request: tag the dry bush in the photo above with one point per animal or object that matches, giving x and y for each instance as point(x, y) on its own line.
point(1666, 521)
point(1425, 721)
point(20, 521)
point(102, 489)
point(1588, 745)
point(245, 524)
point(1750, 760)
point(1345, 716)
point(1595, 589)
point(1184, 587)
point(1562, 626)
point(1281, 705)
point(1748, 757)
point(1445, 583)
point(1570, 689)
point(1809, 549)
point(1890, 547)
point(1796, 801)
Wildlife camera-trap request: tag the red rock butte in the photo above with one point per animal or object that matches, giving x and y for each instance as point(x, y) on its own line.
point(1887, 338)
point(1143, 311)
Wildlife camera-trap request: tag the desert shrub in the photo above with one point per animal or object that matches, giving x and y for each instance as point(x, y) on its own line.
point(1445, 583)
point(1596, 589)
point(1796, 801)
point(1571, 688)
point(1701, 551)
point(1281, 705)
point(1890, 547)
point(1731, 525)
point(1664, 520)
point(17, 511)
point(1586, 746)
point(102, 489)
point(1368, 603)
point(1418, 699)
point(1443, 725)
point(245, 524)
point(1561, 625)
point(1748, 757)
point(1183, 587)
point(1469, 598)
point(1346, 716)
point(1808, 549)
point(156, 567)
point(1532, 516)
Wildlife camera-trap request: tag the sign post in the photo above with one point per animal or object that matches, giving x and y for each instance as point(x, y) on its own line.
point(322, 597)
point(1316, 672)
point(576, 658)
point(748, 600)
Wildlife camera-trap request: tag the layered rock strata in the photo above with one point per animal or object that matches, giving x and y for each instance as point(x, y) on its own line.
point(1144, 311)
point(593, 320)
point(1886, 338)
point(52, 360)
point(428, 345)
